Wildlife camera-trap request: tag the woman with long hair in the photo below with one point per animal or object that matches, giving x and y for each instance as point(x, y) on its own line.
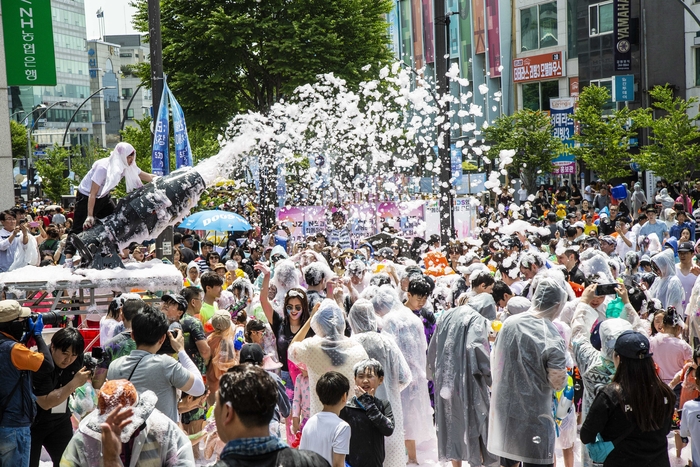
point(634, 411)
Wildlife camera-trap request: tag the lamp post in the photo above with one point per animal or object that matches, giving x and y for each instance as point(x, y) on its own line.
point(18, 112)
point(30, 129)
point(72, 117)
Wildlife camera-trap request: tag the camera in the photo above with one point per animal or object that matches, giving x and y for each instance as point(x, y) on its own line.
point(92, 359)
point(50, 317)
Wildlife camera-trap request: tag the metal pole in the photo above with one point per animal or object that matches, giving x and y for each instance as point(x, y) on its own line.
point(156, 45)
point(65, 133)
point(441, 68)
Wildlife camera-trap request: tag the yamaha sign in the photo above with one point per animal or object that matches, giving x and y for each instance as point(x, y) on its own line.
point(622, 43)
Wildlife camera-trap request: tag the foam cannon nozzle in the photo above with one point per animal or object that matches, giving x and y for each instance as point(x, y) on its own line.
point(142, 215)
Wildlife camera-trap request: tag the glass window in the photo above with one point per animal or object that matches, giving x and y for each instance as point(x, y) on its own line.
point(600, 19)
point(697, 66)
point(536, 95)
point(127, 92)
point(528, 29)
point(538, 27)
point(607, 84)
point(548, 25)
point(130, 114)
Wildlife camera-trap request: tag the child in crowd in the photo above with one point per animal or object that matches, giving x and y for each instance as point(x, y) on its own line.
point(223, 351)
point(301, 408)
point(689, 390)
point(325, 433)
point(370, 418)
point(690, 424)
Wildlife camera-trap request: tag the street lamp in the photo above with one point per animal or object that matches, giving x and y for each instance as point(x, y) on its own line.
point(18, 112)
point(30, 129)
point(72, 117)
point(126, 111)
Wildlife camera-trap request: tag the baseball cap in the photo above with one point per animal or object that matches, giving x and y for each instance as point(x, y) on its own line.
point(633, 344)
point(221, 320)
point(177, 298)
point(579, 225)
point(608, 239)
point(685, 246)
point(252, 353)
point(650, 208)
point(10, 310)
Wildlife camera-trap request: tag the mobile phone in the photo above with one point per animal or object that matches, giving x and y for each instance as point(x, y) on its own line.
point(606, 289)
point(33, 224)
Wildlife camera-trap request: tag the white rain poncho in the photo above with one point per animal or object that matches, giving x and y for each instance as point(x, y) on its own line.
point(458, 365)
point(286, 276)
point(664, 198)
point(397, 374)
point(639, 199)
point(484, 304)
point(528, 362)
point(596, 265)
point(118, 168)
point(667, 288)
point(408, 331)
point(328, 350)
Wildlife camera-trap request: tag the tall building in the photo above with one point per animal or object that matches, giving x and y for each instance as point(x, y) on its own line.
point(132, 52)
point(72, 77)
point(105, 70)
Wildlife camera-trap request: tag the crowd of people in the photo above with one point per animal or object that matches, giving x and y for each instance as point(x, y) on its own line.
point(570, 315)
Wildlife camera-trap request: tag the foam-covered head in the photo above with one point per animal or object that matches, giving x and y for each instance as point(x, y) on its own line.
point(362, 317)
point(384, 299)
point(328, 321)
point(548, 298)
point(114, 393)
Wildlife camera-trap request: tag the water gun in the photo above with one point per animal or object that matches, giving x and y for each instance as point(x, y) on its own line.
point(564, 400)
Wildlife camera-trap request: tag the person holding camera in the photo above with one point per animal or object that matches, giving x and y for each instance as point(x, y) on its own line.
point(13, 234)
point(17, 364)
point(161, 374)
point(52, 427)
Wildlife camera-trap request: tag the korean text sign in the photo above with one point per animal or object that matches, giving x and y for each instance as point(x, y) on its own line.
point(537, 67)
point(29, 48)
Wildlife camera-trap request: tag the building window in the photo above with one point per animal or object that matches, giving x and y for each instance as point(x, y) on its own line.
point(538, 27)
point(607, 84)
point(600, 19)
point(127, 93)
point(697, 66)
point(130, 114)
point(536, 95)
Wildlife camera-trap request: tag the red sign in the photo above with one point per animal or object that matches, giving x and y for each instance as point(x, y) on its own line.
point(573, 87)
point(546, 66)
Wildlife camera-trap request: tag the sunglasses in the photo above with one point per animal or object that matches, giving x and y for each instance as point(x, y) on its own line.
point(275, 258)
point(297, 308)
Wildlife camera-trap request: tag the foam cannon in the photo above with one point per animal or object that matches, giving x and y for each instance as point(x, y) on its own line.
point(142, 215)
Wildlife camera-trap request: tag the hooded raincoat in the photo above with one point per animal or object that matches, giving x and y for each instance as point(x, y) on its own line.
point(328, 350)
point(397, 374)
point(458, 364)
point(639, 199)
point(528, 362)
point(667, 288)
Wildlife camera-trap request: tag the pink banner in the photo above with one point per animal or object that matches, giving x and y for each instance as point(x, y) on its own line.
point(428, 29)
point(363, 220)
point(494, 38)
point(406, 217)
point(293, 217)
point(314, 220)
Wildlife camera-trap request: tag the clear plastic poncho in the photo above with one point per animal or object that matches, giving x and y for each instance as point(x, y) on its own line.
point(397, 374)
point(328, 350)
point(528, 362)
point(596, 265)
point(667, 288)
point(408, 332)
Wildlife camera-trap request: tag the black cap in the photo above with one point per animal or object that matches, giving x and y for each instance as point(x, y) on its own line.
point(177, 298)
point(551, 216)
point(686, 246)
point(650, 208)
point(252, 353)
point(633, 344)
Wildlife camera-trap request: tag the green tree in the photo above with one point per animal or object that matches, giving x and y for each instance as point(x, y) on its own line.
point(223, 58)
point(603, 141)
point(673, 151)
point(529, 134)
point(19, 140)
point(52, 170)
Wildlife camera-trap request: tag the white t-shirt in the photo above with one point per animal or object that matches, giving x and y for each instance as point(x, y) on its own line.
point(325, 433)
point(522, 195)
point(688, 283)
point(622, 247)
point(97, 174)
point(690, 426)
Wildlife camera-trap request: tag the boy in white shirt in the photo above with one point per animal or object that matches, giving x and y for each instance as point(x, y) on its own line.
point(325, 433)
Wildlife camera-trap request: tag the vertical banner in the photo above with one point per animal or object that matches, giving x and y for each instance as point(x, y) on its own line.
point(417, 23)
point(453, 44)
point(314, 220)
point(429, 29)
point(183, 151)
point(462, 217)
point(561, 114)
point(465, 37)
point(494, 38)
point(293, 217)
point(479, 26)
point(160, 161)
point(394, 34)
point(363, 221)
point(29, 48)
point(622, 52)
point(432, 218)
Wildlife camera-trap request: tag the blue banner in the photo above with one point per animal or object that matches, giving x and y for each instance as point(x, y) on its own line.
point(183, 151)
point(160, 161)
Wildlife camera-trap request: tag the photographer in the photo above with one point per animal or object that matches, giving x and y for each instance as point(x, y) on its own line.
point(17, 363)
point(9, 243)
point(52, 427)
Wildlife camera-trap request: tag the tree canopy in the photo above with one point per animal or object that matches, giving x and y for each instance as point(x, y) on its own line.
point(673, 151)
point(223, 58)
point(603, 142)
point(529, 134)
